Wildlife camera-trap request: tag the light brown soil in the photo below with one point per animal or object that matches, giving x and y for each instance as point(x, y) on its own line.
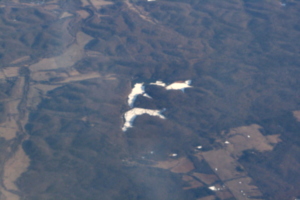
point(83, 14)
point(181, 165)
point(19, 60)
point(66, 14)
point(208, 198)
point(100, 3)
point(184, 166)
point(223, 164)
point(193, 184)
point(249, 137)
point(14, 167)
point(73, 54)
point(8, 129)
point(85, 3)
point(11, 71)
point(206, 178)
point(296, 114)
point(241, 188)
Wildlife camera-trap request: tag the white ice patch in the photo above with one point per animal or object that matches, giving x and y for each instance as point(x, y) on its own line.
point(173, 155)
point(179, 85)
point(199, 147)
point(213, 188)
point(130, 115)
point(138, 89)
point(174, 86)
point(159, 83)
point(147, 95)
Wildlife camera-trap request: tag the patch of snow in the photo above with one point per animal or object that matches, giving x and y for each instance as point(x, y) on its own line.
point(159, 83)
point(133, 113)
point(173, 155)
point(213, 188)
point(199, 147)
point(138, 89)
point(227, 142)
point(248, 136)
point(179, 85)
point(147, 95)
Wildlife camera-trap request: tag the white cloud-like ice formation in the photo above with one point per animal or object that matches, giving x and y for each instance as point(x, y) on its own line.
point(174, 86)
point(213, 188)
point(139, 89)
point(130, 115)
point(159, 83)
point(179, 85)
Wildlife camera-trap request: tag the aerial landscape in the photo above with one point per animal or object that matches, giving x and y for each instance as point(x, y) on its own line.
point(149, 99)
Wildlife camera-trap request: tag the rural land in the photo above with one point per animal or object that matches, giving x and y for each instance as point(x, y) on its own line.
point(67, 72)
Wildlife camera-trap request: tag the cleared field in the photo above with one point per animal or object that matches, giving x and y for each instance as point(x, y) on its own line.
point(181, 165)
point(85, 3)
point(206, 178)
point(66, 14)
point(83, 14)
point(11, 72)
point(250, 137)
point(81, 77)
point(100, 3)
point(223, 164)
point(208, 198)
point(20, 60)
point(73, 54)
point(296, 114)
point(242, 188)
point(192, 182)
point(14, 167)
point(8, 129)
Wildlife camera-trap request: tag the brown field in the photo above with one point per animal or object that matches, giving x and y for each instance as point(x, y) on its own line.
point(11, 72)
point(296, 114)
point(83, 14)
point(20, 60)
point(100, 3)
point(206, 178)
point(66, 111)
point(249, 137)
point(65, 14)
point(67, 59)
point(8, 129)
point(85, 3)
point(208, 198)
point(13, 168)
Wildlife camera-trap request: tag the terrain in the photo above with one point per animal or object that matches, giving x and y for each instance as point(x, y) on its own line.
point(68, 66)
